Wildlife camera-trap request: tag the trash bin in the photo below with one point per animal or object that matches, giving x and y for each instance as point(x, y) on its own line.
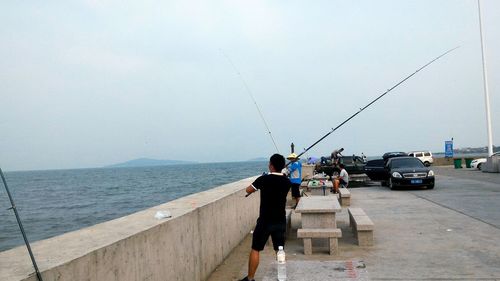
point(467, 162)
point(458, 163)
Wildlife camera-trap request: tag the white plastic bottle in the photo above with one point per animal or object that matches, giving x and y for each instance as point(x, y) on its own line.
point(280, 256)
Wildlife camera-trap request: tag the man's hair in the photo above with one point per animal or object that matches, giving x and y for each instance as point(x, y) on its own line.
point(278, 162)
point(341, 166)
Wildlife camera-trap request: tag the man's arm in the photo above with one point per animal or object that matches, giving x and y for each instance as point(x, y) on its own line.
point(250, 189)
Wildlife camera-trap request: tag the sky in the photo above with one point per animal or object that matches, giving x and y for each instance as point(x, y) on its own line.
point(93, 83)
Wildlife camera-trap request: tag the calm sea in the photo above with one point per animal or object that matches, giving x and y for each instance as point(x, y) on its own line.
point(54, 202)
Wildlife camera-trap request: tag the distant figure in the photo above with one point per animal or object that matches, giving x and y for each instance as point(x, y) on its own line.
point(336, 154)
point(312, 160)
point(342, 179)
point(273, 188)
point(363, 156)
point(295, 174)
point(324, 160)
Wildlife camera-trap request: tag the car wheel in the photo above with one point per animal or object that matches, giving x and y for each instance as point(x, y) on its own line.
point(479, 166)
point(430, 186)
point(390, 184)
point(427, 164)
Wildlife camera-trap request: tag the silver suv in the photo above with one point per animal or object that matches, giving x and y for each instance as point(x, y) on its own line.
point(424, 156)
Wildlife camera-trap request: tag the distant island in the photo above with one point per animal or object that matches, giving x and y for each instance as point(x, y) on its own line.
point(472, 150)
point(483, 149)
point(147, 162)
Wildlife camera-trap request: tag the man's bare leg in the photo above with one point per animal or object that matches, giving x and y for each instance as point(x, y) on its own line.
point(253, 263)
point(336, 184)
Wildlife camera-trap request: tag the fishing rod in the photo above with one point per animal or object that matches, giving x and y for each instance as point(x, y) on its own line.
point(253, 99)
point(372, 102)
point(13, 207)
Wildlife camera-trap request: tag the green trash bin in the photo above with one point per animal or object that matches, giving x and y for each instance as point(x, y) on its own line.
point(458, 163)
point(467, 162)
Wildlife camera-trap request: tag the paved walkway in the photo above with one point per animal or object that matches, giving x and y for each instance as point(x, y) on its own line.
point(449, 233)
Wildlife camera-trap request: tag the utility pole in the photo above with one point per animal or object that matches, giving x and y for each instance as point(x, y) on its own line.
point(485, 84)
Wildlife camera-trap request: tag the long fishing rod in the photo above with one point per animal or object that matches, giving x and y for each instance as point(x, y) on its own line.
point(372, 102)
point(13, 207)
point(253, 99)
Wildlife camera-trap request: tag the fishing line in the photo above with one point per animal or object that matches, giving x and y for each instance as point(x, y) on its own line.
point(13, 207)
point(372, 102)
point(253, 99)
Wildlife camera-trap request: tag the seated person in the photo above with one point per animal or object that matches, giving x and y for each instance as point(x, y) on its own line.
point(341, 179)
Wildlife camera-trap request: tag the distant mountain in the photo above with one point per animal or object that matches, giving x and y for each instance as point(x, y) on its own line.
point(146, 162)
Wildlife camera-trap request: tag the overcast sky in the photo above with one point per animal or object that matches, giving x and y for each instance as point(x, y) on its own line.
point(92, 83)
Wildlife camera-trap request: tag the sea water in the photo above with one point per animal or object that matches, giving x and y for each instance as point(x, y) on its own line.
point(53, 202)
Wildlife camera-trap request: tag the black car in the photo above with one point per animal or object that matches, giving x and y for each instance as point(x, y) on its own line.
point(374, 169)
point(353, 165)
point(409, 172)
point(389, 155)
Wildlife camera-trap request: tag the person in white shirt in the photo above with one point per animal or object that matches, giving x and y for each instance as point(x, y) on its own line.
point(342, 179)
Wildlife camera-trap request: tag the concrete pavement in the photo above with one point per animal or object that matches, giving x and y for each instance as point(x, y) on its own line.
point(449, 233)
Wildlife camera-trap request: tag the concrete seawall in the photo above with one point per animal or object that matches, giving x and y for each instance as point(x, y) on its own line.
point(202, 231)
point(443, 161)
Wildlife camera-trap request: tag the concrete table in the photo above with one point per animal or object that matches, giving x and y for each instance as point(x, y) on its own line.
point(320, 187)
point(318, 211)
point(318, 222)
point(320, 177)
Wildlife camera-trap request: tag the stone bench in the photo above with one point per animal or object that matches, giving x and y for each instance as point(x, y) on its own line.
point(362, 226)
point(310, 233)
point(288, 214)
point(345, 196)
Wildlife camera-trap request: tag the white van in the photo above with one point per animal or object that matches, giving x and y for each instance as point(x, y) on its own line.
point(424, 156)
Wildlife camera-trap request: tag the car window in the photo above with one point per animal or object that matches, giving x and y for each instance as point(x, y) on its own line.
point(375, 163)
point(411, 154)
point(347, 160)
point(427, 154)
point(393, 154)
point(406, 163)
point(419, 154)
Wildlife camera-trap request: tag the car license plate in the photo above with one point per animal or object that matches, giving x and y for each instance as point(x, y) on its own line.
point(416, 181)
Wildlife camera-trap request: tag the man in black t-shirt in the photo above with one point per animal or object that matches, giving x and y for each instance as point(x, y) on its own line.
point(273, 188)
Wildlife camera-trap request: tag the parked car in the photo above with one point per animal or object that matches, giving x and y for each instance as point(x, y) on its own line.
point(424, 156)
point(353, 165)
point(388, 155)
point(408, 171)
point(477, 163)
point(403, 171)
point(375, 169)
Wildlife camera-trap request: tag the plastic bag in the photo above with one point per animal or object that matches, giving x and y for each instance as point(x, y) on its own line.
point(162, 215)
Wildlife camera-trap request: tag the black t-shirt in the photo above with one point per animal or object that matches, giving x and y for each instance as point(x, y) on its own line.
point(273, 190)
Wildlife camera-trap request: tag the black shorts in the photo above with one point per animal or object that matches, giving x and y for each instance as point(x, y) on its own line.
point(342, 182)
point(295, 190)
point(262, 232)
